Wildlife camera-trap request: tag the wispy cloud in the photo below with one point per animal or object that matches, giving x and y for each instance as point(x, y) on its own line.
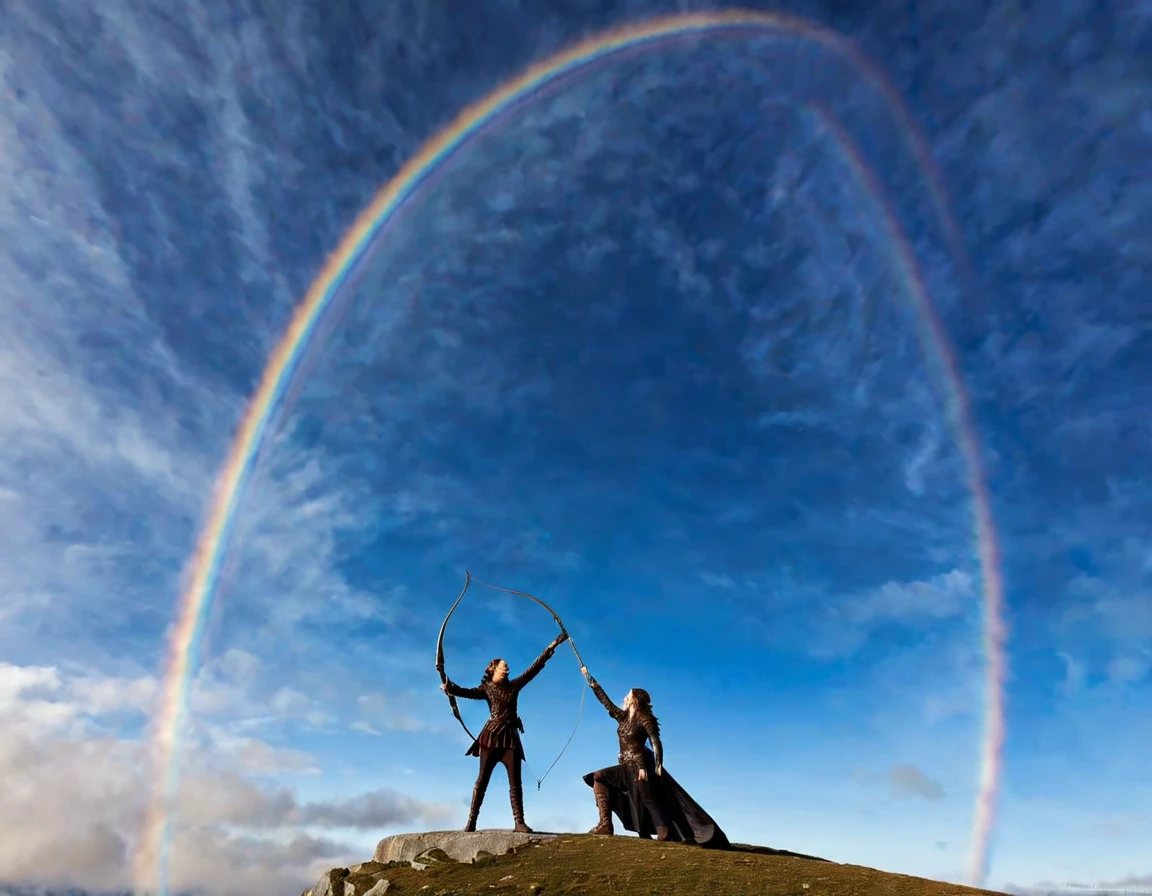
point(112, 436)
point(904, 781)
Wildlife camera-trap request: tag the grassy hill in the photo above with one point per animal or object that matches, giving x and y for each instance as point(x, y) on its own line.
point(579, 864)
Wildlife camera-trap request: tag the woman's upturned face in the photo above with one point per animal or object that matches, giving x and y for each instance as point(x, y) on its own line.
point(500, 672)
point(629, 700)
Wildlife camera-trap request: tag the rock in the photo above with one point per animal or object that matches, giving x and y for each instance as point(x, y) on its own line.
point(366, 868)
point(460, 846)
point(331, 883)
point(360, 880)
point(360, 888)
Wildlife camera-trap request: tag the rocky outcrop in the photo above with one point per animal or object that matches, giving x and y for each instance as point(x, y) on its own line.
point(457, 845)
point(420, 851)
point(365, 879)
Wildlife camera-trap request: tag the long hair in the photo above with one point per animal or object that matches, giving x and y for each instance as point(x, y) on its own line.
point(488, 670)
point(644, 707)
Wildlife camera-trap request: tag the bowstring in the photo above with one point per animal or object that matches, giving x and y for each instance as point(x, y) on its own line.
point(579, 717)
point(583, 690)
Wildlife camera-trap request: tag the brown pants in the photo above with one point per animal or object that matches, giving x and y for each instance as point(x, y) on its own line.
point(492, 757)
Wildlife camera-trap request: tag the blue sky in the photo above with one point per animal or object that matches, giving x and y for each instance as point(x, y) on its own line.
point(643, 353)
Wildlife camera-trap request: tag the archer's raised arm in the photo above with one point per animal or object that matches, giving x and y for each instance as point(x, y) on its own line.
point(613, 710)
point(468, 693)
point(537, 666)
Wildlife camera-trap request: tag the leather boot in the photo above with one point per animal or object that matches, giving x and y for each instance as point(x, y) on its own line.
point(605, 825)
point(474, 810)
point(516, 797)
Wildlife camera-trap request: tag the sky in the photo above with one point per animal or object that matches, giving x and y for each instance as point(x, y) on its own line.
point(644, 351)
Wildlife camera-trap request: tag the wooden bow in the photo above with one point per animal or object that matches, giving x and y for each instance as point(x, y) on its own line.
point(468, 579)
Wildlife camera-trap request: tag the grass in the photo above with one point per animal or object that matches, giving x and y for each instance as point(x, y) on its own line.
point(584, 865)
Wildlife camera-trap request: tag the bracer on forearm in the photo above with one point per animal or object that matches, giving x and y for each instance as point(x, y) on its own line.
point(613, 710)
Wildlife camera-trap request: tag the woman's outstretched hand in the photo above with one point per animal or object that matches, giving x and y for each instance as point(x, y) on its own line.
point(444, 687)
point(560, 639)
point(584, 672)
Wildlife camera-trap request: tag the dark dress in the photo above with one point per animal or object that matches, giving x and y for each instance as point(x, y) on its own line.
point(503, 728)
point(687, 822)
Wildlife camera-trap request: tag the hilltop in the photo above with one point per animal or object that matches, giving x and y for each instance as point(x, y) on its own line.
point(585, 865)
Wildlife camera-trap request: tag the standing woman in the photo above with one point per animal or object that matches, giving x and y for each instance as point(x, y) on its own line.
point(638, 789)
point(499, 739)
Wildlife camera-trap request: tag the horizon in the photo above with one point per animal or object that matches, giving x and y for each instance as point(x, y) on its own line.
point(645, 351)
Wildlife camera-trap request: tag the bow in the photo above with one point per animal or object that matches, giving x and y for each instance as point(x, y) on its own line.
point(468, 579)
point(440, 658)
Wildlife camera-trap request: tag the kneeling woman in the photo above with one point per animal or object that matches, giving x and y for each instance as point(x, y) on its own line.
point(638, 789)
point(499, 739)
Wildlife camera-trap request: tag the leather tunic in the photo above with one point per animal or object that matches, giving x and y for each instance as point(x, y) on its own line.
point(504, 724)
point(632, 729)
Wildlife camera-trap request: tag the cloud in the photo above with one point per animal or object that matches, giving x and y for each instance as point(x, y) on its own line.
point(226, 864)
point(942, 597)
point(110, 453)
point(1143, 881)
point(905, 781)
point(1075, 673)
point(850, 621)
point(379, 809)
point(1126, 825)
point(387, 712)
point(146, 270)
point(1105, 628)
point(75, 783)
point(1129, 669)
point(130, 347)
point(1127, 885)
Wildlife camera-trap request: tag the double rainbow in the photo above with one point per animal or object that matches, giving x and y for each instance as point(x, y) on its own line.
point(356, 246)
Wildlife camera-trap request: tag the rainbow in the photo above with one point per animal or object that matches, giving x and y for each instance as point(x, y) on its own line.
point(934, 339)
point(345, 264)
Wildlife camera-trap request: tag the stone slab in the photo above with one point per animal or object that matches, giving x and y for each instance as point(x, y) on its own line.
point(463, 846)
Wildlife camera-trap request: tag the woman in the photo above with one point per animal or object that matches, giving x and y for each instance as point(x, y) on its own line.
point(499, 739)
point(639, 790)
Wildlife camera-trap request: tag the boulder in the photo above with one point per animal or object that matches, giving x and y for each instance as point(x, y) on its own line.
point(331, 883)
point(458, 845)
point(365, 879)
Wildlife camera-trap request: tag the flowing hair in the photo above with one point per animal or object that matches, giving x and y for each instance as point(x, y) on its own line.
point(644, 707)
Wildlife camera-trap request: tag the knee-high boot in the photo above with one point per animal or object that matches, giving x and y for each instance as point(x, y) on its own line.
point(605, 824)
point(516, 797)
point(477, 798)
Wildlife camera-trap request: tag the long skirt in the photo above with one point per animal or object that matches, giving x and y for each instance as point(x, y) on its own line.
point(687, 821)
